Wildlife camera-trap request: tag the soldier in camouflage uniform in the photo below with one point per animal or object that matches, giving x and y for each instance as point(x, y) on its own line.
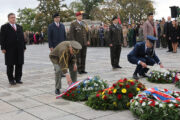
point(79, 32)
point(63, 57)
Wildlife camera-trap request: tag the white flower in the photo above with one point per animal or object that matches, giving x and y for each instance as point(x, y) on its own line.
point(156, 103)
point(144, 104)
point(170, 78)
point(136, 103)
point(177, 95)
point(174, 101)
point(160, 105)
point(149, 102)
point(171, 105)
point(173, 74)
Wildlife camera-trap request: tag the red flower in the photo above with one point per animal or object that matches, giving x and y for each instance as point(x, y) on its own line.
point(68, 95)
point(114, 85)
point(127, 86)
point(132, 83)
point(120, 85)
point(130, 95)
point(153, 103)
point(119, 96)
point(105, 97)
point(176, 105)
point(121, 81)
point(125, 79)
point(97, 95)
point(110, 92)
point(165, 90)
point(141, 101)
point(72, 95)
point(139, 86)
point(139, 95)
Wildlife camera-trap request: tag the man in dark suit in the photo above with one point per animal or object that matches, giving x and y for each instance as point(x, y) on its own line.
point(143, 54)
point(13, 46)
point(56, 35)
point(167, 35)
point(116, 41)
point(79, 32)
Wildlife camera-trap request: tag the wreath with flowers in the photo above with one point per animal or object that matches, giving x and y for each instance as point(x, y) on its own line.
point(177, 80)
point(116, 97)
point(162, 77)
point(84, 89)
point(155, 104)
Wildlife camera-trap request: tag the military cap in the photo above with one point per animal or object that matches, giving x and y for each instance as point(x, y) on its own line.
point(115, 17)
point(78, 13)
point(75, 45)
point(55, 15)
point(152, 39)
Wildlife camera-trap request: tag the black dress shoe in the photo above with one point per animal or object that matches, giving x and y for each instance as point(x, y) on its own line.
point(135, 76)
point(19, 82)
point(144, 75)
point(12, 83)
point(80, 72)
point(118, 66)
point(84, 72)
point(57, 92)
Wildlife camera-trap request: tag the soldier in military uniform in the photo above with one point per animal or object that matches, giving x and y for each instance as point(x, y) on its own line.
point(79, 32)
point(116, 41)
point(63, 56)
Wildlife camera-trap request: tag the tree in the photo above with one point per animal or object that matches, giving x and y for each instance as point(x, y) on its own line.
point(85, 5)
point(138, 10)
point(26, 18)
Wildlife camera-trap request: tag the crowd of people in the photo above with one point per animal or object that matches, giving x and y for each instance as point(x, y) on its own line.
point(33, 37)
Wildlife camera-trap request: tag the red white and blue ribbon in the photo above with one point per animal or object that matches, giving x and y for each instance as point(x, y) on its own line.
point(72, 86)
point(162, 96)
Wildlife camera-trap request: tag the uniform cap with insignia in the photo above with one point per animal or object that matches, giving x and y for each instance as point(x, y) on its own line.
point(152, 39)
point(78, 13)
point(56, 15)
point(76, 45)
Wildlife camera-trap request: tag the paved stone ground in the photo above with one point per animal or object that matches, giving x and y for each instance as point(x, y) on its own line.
point(35, 99)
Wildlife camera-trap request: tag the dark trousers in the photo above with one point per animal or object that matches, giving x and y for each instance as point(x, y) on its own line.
point(81, 59)
point(115, 52)
point(18, 72)
point(139, 69)
point(169, 44)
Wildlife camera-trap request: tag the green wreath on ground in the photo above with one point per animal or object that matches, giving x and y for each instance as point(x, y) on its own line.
point(84, 89)
point(162, 77)
point(177, 80)
point(116, 97)
point(154, 104)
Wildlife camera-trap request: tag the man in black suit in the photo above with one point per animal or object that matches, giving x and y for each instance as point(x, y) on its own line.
point(142, 55)
point(167, 31)
point(13, 46)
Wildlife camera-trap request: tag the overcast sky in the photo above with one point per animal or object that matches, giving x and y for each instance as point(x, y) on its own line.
point(7, 6)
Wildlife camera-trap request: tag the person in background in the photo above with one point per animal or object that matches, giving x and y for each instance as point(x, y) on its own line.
point(140, 33)
point(125, 32)
point(162, 38)
point(130, 35)
point(36, 38)
point(158, 29)
point(174, 36)
point(101, 35)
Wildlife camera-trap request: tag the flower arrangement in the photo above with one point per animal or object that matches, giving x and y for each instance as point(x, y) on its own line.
point(84, 89)
point(162, 77)
point(177, 80)
point(154, 104)
point(116, 97)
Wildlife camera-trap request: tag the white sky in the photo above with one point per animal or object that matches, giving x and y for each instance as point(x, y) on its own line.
point(7, 6)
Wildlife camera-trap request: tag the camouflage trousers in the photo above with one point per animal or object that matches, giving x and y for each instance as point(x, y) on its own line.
point(58, 75)
point(81, 59)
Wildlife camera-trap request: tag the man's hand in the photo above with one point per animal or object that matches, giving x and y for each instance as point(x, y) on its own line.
point(68, 78)
point(75, 68)
point(4, 51)
point(164, 35)
point(169, 38)
point(51, 49)
point(110, 45)
point(88, 43)
point(143, 64)
point(161, 65)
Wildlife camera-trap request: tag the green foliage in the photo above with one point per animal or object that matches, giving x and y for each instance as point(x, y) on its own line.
point(26, 18)
point(159, 77)
point(116, 97)
point(85, 89)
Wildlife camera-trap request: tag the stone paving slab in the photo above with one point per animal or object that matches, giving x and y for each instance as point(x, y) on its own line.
point(35, 99)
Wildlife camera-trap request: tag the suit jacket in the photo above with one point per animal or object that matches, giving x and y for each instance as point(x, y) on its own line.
point(148, 29)
point(13, 42)
point(167, 28)
point(138, 52)
point(79, 33)
point(115, 35)
point(56, 34)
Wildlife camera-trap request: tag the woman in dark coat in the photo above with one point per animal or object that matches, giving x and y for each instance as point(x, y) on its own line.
point(175, 36)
